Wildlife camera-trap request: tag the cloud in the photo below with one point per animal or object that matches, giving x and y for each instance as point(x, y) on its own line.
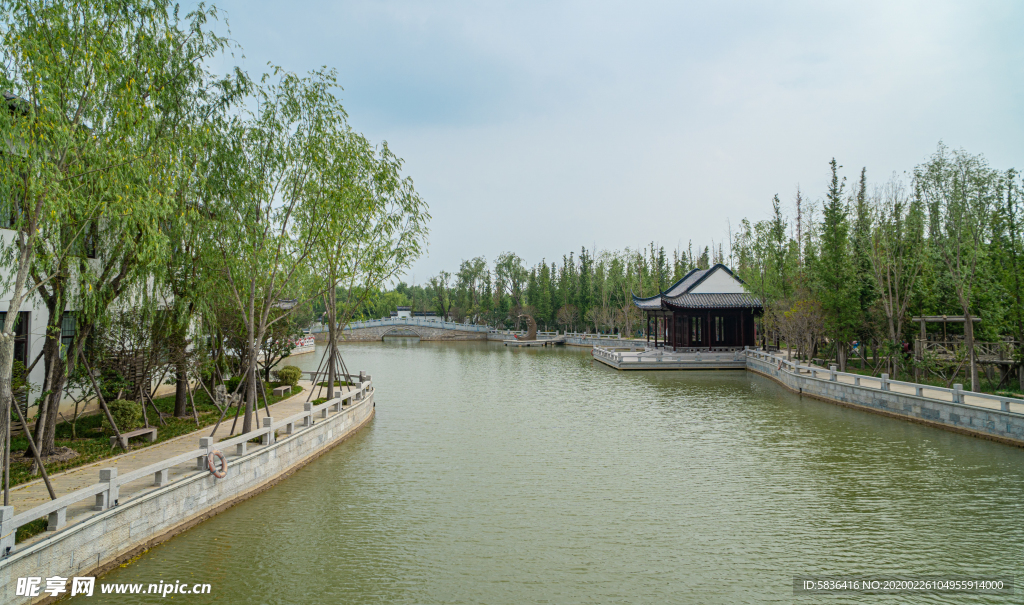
point(541, 127)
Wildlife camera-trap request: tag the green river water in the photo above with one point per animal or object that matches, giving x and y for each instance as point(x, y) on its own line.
point(510, 476)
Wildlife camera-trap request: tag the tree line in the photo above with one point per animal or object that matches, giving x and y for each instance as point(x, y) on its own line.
point(840, 276)
point(175, 222)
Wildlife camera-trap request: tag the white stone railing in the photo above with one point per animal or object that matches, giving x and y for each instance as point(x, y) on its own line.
point(106, 491)
point(409, 321)
point(884, 383)
point(550, 334)
point(640, 353)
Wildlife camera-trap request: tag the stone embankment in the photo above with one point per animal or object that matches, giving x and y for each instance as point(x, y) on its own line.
point(137, 509)
point(991, 417)
point(977, 414)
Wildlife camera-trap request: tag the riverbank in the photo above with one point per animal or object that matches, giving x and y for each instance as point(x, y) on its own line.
point(145, 503)
point(995, 418)
point(669, 487)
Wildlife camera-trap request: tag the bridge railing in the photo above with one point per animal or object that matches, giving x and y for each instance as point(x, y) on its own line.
point(406, 321)
point(106, 492)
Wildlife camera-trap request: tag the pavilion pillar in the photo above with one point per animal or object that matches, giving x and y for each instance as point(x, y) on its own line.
point(708, 315)
point(743, 329)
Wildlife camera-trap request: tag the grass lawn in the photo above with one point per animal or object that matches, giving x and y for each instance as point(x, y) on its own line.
point(93, 444)
point(337, 383)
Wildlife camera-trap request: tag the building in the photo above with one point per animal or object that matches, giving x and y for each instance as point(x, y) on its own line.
point(708, 309)
point(407, 312)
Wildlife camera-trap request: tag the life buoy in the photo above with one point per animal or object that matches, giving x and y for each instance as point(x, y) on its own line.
point(223, 464)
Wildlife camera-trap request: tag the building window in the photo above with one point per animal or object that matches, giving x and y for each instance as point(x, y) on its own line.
point(87, 245)
point(719, 328)
point(20, 335)
point(67, 333)
point(695, 330)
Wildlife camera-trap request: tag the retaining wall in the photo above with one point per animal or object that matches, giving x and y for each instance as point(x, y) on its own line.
point(119, 533)
point(1003, 426)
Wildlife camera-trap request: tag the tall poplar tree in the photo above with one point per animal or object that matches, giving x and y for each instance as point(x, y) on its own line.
point(834, 269)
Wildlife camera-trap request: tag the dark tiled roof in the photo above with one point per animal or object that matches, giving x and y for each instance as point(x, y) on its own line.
point(712, 301)
point(648, 303)
point(677, 295)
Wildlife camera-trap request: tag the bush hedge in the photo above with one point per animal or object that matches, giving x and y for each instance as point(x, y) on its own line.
point(290, 375)
point(127, 415)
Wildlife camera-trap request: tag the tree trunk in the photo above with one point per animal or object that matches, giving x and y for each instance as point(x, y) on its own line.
point(332, 323)
point(6, 395)
point(181, 390)
point(26, 248)
point(56, 374)
point(250, 379)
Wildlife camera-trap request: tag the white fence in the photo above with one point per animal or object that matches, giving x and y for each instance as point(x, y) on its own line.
point(106, 491)
point(957, 394)
point(409, 321)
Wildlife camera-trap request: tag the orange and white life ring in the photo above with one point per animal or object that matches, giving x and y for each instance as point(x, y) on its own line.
point(213, 468)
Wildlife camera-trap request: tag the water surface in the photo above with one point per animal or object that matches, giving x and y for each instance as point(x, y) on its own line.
point(510, 476)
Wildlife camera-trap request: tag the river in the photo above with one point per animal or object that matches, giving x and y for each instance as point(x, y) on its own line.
point(511, 476)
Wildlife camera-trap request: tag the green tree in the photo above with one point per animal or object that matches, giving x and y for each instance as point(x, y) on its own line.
point(960, 190)
point(833, 269)
point(865, 285)
point(106, 91)
point(896, 256)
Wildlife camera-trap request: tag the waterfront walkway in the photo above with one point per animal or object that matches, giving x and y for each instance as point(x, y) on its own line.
point(32, 494)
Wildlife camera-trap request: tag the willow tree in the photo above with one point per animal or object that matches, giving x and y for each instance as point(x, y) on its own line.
point(375, 226)
point(267, 218)
point(103, 85)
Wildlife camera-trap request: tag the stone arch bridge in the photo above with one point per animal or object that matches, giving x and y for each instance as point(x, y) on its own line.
point(425, 329)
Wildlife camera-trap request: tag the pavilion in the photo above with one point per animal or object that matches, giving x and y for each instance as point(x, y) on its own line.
point(706, 310)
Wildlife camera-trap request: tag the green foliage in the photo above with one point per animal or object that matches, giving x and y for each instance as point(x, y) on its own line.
point(127, 415)
point(290, 375)
point(32, 528)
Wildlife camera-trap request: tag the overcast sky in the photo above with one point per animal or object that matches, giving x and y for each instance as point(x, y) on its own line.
point(541, 127)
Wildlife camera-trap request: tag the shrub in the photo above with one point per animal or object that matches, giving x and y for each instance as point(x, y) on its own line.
point(290, 375)
point(127, 415)
point(232, 383)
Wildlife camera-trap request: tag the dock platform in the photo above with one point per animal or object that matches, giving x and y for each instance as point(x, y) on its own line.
point(634, 358)
point(543, 342)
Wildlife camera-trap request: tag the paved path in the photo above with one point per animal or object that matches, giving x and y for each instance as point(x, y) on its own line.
point(28, 495)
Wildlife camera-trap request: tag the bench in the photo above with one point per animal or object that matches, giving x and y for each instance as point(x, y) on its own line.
point(150, 434)
point(281, 391)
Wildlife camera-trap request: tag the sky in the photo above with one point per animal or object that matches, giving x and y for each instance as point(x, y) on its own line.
point(543, 127)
